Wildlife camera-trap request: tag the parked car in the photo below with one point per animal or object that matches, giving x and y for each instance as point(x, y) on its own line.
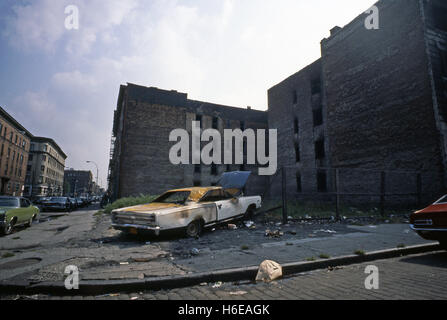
point(431, 223)
point(190, 209)
point(74, 203)
point(57, 204)
point(16, 211)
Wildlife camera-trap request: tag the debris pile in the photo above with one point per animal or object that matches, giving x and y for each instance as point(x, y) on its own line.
point(274, 233)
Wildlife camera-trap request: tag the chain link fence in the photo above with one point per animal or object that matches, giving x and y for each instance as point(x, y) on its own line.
point(343, 192)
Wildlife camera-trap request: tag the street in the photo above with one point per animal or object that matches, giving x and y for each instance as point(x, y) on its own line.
point(84, 239)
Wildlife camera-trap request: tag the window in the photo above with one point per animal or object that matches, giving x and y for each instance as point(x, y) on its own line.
point(316, 86)
point(215, 123)
point(298, 182)
point(197, 183)
point(30, 158)
point(318, 117)
point(214, 169)
point(322, 181)
point(243, 125)
point(31, 147)
point(443, 55)
point(197, 168)
point(297, 152)
point(199, 118)
point(42, 168)
point(319, 149)
point(296, 127)
point(439, 14)
point(228, 168)
point(242, 167)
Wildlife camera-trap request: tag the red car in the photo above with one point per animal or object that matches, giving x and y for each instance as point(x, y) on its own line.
point(431, 223)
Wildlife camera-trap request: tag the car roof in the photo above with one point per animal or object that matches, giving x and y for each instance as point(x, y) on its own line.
point(9, 197)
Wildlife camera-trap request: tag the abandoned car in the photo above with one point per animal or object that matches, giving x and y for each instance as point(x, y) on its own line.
point(431, 223)
point(190, 209)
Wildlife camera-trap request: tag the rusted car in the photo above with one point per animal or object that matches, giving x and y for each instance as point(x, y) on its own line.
point(431, 223)
point(190, 209)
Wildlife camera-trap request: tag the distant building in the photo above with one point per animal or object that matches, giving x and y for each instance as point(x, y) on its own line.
point(144, 118)
point(14, 150)
point(78, 183)
point(45, 170)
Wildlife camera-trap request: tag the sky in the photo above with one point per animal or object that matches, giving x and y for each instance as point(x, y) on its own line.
point(64, 84)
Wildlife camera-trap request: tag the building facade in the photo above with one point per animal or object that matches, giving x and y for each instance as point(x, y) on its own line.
point(144, 118)
point(78, 183)
point(14, 151)
point(45, 169)
point(375, 100)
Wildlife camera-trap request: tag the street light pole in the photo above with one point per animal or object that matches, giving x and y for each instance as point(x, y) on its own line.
point(97, 170)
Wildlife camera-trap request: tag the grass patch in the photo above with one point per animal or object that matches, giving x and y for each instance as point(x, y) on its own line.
point(324, 256)
point(359, 252)
point(311, 259)
point(244, 247)
point(401, 245)
point(8, 255)
point(129, 202)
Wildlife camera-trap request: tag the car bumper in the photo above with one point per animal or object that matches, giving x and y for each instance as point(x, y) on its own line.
point(138, 228)
point(430, 232)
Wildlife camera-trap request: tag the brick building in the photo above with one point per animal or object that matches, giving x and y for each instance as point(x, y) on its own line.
point(375, 100)
point(45, 171)
point(78, 183)
point(143, 120)
point(14, 151)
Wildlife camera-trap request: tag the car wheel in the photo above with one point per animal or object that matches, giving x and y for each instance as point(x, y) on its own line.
point(249, 213)
point(7, 229)
point(30, 222)
point(194, 229)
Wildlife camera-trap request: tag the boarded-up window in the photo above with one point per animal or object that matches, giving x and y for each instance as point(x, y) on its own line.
point(318, 117)
point(319, 149)
point(296, 127)
point(297, 152)
point(316, 86)
point(322, 181)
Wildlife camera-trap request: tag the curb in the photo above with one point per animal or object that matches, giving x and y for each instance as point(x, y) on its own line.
point(227, 275)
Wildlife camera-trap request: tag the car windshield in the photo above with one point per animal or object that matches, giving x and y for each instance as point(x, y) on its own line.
point(442, 200)
point(175, 197)
point(9, 202)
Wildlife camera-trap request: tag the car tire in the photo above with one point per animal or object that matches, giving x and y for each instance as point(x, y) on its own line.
point(194, 229)
point(7, 229)
point(30, 222)
point(249, 213)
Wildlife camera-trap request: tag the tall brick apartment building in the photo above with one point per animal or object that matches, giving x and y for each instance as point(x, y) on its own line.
point(143, 120)
point(14, 151)
point(375, 100)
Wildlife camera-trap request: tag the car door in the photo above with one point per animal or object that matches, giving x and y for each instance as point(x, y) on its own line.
point(24, 212)
point(228, 208)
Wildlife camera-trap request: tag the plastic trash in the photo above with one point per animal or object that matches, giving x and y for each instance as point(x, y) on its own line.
point(268, 271)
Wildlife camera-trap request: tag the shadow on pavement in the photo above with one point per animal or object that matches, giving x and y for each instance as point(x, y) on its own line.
point(436, 259)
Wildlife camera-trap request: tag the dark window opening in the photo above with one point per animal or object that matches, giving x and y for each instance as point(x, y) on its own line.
point(297, 153)
point(228, 168)
point(242, 167)
point(439, 17)
point(319, 149)
point(318, 117)
point(296, 127)
point(316, 86)
point(197, 183)
point(295, 97)
point(214, 170)
point(199, 118)
point(197, 168)
point(322, 181)
point(298, 183)
point(215, 123)
point(443, 55)
point(243, 125)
